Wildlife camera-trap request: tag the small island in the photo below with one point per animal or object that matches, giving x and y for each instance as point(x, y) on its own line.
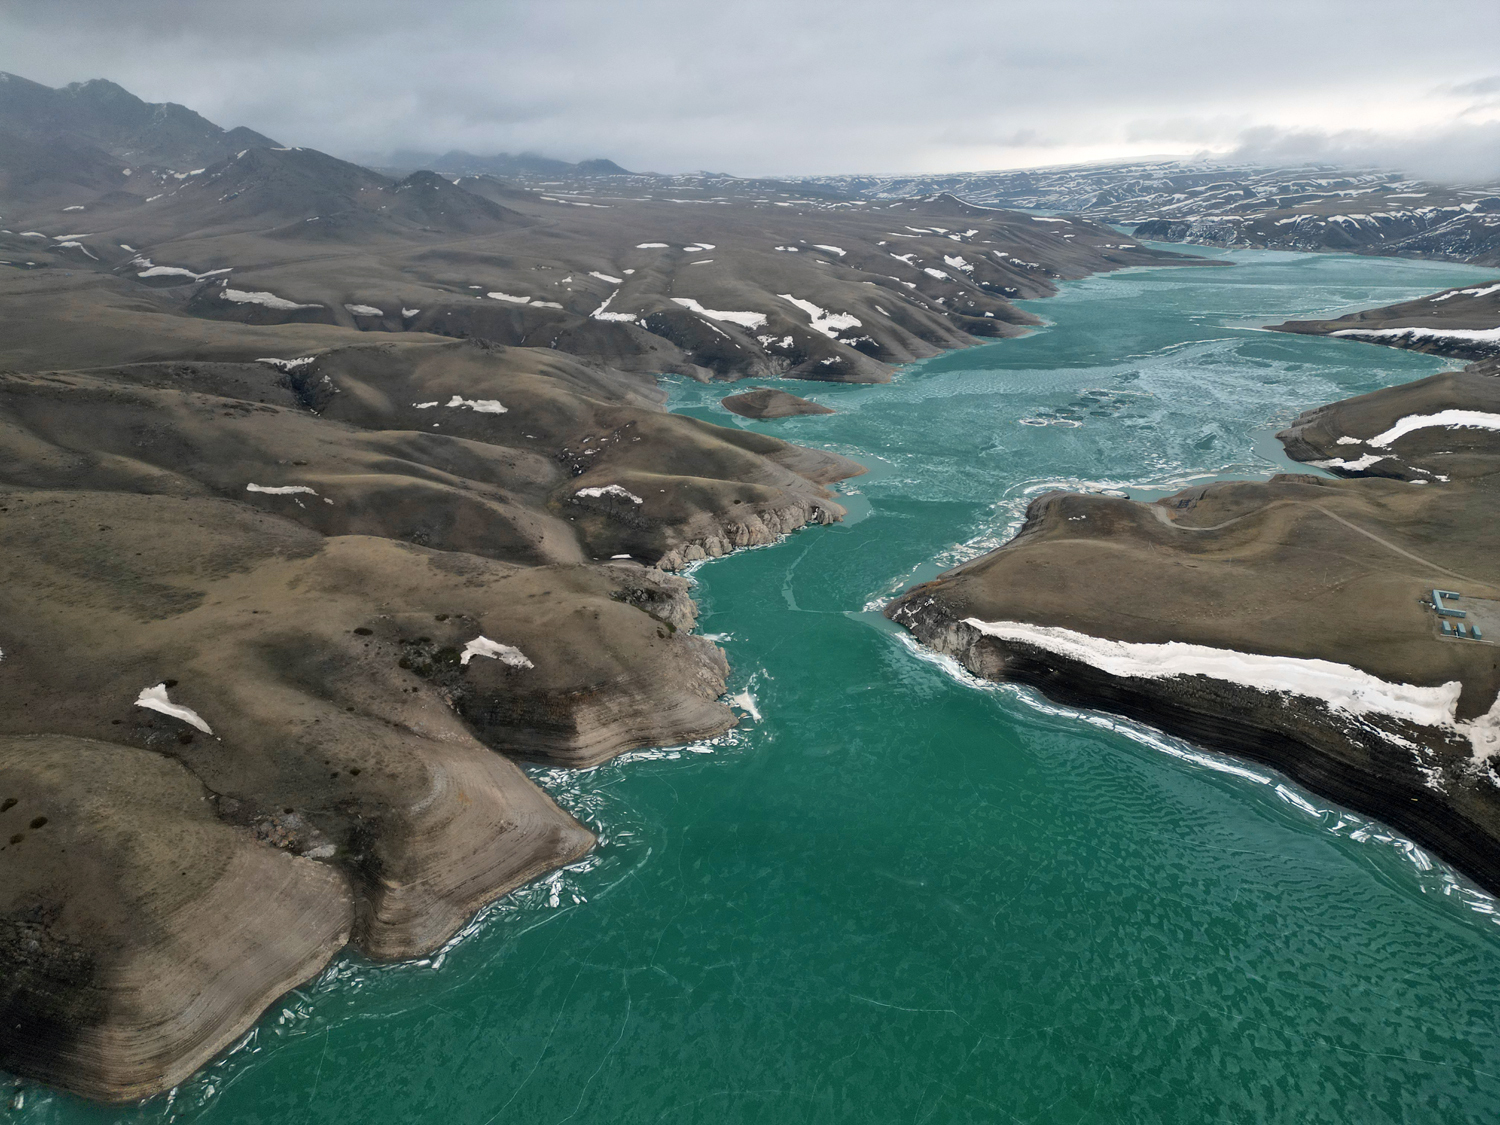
point(766, 402)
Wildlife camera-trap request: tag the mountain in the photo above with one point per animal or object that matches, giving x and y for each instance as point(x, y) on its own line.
point(526, 165)
point(296, 193)
point(103, 115)
point(60, 171)
point(1361, 211)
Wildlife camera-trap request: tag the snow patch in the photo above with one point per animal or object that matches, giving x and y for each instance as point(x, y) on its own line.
point(506, 654)
point(1485, 292)
point(269, 300)
point(745, 319)
point(1341, 687)
point(364, 310)
point(1358, 465)
point(1448, 419)
point(280, 489)
point(601, 312)
point(287, 364)
point(828, 323)
point(176, 271)
point(478, 405)
point(1468, 335)
point(155, 699)
point(609, 490)
point(606, 277)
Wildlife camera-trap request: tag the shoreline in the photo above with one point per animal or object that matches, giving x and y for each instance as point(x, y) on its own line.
point(1234, 585)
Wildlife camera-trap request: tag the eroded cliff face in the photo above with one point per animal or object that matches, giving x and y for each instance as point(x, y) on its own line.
point(1462, 323)
point(1291, 621)
point(274, 638)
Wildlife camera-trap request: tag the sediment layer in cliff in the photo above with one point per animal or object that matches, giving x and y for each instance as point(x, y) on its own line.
point(334, 601)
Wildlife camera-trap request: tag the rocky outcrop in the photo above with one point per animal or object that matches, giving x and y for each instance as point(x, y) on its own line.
point(712, 538)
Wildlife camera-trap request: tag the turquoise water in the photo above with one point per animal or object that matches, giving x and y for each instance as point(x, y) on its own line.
point(906, 897)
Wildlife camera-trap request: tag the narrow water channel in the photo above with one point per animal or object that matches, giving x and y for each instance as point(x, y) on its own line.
point(905, 897)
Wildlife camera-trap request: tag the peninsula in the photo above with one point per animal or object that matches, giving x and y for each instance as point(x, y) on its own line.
point(1344, 630)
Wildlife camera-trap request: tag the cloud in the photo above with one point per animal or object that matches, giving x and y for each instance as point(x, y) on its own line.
point(1490, 85)
point(1460, 153)
point(774, 86)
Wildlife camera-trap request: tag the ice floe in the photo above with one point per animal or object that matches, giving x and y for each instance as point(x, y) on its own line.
point(506, 654)
point(155, 699)
point(745, 702)
point(746, 319)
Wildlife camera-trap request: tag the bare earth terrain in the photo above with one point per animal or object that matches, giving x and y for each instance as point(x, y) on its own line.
point(327, 497)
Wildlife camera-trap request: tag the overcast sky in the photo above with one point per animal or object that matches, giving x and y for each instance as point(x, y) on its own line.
point(808, 86)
